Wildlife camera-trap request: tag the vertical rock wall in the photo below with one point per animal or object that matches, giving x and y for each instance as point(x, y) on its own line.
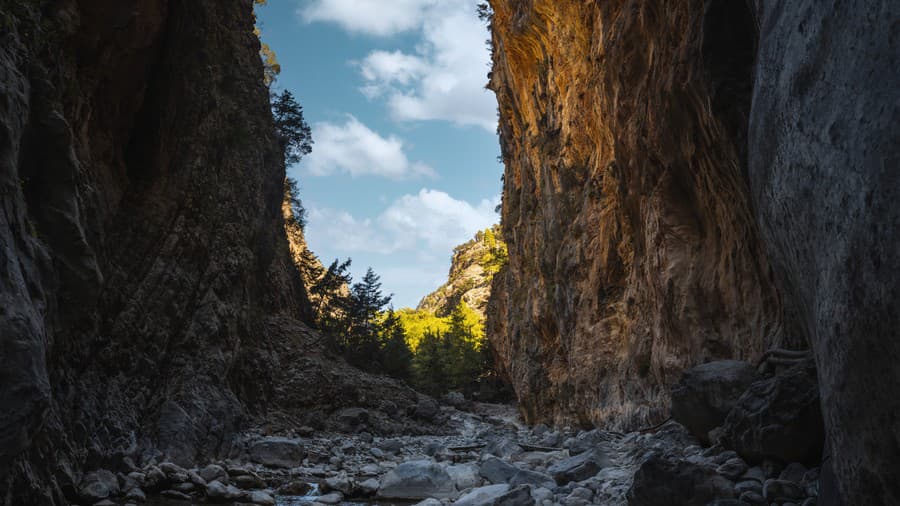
point(633, 248)
point(825, 174)
point(141, 243)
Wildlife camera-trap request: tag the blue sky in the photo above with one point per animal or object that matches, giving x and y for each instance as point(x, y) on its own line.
point(404, 165)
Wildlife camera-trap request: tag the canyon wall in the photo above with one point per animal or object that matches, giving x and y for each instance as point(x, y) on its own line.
point(148, 303)
point(633, 250)
point(825, 173)
point(696, 180)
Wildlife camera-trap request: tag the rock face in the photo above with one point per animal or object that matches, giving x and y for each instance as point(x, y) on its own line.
point(825, 176)
point(147, 293)
point(633, 251)
point(472, 269)
point(655, 220)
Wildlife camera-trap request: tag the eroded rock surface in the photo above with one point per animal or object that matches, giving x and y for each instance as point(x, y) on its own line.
point(633, 250)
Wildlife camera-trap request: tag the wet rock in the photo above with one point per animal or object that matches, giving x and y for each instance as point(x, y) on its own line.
point(579, 467)
point(277, 452)
point(417, 479)
point(705, 394)
point(332, 498)
point(213, 472)
point(186, 487)
point(249, 481)
point(98, 485)
point(392, 446)
point(661, 480)
point(171, 469)
point(497, 495)
point(779, 418)
point(155, 478)
point(753, 498)
point(748, 486)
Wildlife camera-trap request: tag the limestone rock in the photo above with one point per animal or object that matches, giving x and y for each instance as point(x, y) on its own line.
point(277, 452)
point(417, 479)
point(579, 467)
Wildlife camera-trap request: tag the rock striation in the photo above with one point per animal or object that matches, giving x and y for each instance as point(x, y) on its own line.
point(633, 248)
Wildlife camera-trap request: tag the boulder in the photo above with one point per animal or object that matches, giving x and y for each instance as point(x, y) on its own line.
point(778, 418)
point(497, 495)
point(277, 452)
point(98, 485)
point(578, 468)
point(341, 483)
point(417, 479)
point(426, 409)
point(705, 394)
point(213, 472)
point(216, 491)
point(353, 417)
point(496, 471)
point(455, 399)
point(262, 498)
point(332, 498)
point(663, 480)
point(465, 476)
point(369, 487)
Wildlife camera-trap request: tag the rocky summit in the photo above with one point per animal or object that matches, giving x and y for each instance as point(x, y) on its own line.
point(690, 298)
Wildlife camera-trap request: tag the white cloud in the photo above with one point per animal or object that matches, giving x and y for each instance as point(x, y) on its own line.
point(372, 17)
point(443, 80)
point(430, 222)
point(355, 149)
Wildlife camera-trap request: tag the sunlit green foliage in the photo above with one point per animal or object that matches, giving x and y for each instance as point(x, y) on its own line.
point(418, 323)
point(496, 255)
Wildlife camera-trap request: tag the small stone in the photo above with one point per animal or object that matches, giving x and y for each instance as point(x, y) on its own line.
point(378, 453)
point(733, 468)
point(365, 437)
point(771, 468)
point(105, 502)
point(174, 494)
point(582, 493)
point(755, 474)
point(748, 486)
point(171, 468)
point(340, 483)
point(753, 498)
point(185, 487)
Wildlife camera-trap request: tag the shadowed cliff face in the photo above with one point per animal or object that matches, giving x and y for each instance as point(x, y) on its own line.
point(825, 173)
point(633, 248)
point(147, 292)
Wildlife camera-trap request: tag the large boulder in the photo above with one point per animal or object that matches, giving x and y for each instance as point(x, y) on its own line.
point(779, 418)
point(98, 485)
point(580, 467)
point(705, 394)
point(417, 479)
point(676, 482)
point(497, 495)
point(277, 452)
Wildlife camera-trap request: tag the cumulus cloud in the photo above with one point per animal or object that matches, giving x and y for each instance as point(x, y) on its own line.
point(429, 222)
point(353, 148)
point(443, 80)
point(371, 17)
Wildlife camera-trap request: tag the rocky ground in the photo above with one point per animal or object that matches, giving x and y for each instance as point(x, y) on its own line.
point(486, 456)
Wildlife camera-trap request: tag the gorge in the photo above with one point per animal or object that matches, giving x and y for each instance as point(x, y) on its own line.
point(688, 186)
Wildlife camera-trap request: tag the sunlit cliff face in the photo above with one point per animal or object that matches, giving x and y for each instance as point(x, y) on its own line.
point(633, 251)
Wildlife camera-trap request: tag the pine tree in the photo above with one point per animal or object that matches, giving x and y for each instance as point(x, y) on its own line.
point(396, 357)
point(333, 309)
point(362, 343)
point(429, 373)
point(294, 133)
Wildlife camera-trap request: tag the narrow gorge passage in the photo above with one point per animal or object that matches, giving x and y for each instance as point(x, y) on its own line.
point(304, 252)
